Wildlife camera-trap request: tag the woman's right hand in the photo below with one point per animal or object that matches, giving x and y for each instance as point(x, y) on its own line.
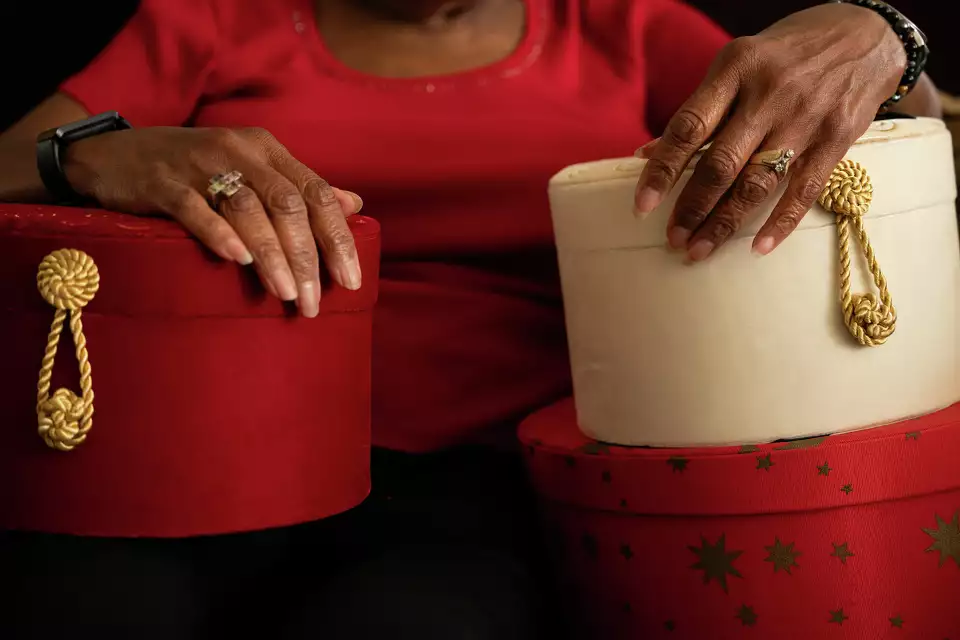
point(276, 221)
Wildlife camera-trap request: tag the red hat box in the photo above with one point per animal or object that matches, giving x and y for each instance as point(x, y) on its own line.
point(182, 399)
point(853, 536)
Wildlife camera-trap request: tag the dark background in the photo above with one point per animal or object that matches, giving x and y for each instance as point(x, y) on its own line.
point(43, 42)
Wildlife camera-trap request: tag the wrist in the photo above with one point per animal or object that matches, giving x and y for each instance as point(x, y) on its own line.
point(911, 57)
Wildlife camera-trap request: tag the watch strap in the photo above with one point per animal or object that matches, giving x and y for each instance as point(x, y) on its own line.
point(52, 144)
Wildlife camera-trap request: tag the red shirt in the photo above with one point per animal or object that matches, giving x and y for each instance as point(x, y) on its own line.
point(468, 333)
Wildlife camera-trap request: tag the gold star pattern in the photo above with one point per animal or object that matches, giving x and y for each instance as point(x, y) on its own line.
point(626, 551)
point(824, 469)
point(764, 462)
point(747, 616)
point(896, 621)
point(946, 539)
point(606, 477)
point(748, 448)
point(847, 489)
point(782, 556)
point(838, 617)
point(806, 443)
point(715, 561)
point(841, 551)
point(678, 464)
point(913, 435)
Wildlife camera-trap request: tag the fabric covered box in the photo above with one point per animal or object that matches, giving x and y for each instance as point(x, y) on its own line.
point(853, 536)
point(215, 407)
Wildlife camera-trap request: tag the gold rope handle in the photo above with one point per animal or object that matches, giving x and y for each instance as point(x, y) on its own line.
point(67, 279)
point(870, 318)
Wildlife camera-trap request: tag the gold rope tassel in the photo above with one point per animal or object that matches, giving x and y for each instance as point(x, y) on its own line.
point(67, 279)
point(870, 318)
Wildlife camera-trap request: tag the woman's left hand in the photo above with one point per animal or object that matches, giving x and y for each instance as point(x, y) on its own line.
point(811, 84)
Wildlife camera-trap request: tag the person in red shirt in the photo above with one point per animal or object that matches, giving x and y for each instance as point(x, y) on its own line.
point(447, 118)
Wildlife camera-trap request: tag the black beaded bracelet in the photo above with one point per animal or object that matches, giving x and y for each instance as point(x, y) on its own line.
point(914, 42)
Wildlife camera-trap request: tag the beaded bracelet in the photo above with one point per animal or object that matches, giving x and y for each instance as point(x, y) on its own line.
point(914, 42)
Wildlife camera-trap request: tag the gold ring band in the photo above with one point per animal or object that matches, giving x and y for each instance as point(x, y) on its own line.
point(777, 159)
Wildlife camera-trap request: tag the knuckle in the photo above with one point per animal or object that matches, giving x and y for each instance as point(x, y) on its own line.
point(840, 127)
point(720, 166)
point(743, 51)
point(318, 190)
point(788, 221)
point(284, 201)
point(303, 258)
point(180, 201)
point(724, 225)
point(690, 217)
point(756, 186)
point(244, 202)
point(688, 129)
point(809, 190)
point(661, 174)
point(339, 242)
point(258, 134)
point(222, 138)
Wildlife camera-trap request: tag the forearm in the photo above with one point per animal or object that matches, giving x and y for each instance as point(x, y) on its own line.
point(19, 178)
point(923, 101)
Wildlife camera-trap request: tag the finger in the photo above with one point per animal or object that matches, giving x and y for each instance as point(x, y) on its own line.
point(715, 174)
point(290, 216)
point(688, 130)
point(185, 205)
point(646, 150)
point(802, 191)
point(349, 201)
point(754, 186)
point(245, 213)
point(328, 211)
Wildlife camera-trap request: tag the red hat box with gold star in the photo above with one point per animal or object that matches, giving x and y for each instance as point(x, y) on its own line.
point(854, 535)
point(182, 400)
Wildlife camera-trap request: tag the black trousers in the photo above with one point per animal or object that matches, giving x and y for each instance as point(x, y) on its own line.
point(446, 547)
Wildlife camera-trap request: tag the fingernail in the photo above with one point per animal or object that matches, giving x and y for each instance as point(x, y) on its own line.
point(285, 285)
point(642, 151)
point(677, 237)
point(647, 200)
point(700, 250)
point(763, 246)
point(309, 299)
point(349, 275)
point(640, 215)
point(237, 251)
point(357, 201)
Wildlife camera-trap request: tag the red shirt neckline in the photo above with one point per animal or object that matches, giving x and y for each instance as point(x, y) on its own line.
point(520, 59)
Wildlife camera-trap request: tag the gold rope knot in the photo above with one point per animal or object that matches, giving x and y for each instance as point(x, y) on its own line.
point(849, 191)
point(59, 418)
point(67, 279)
point(870, 318)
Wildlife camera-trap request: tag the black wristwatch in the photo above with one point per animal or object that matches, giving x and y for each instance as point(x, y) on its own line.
point(52, 143)
point(914, 42)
